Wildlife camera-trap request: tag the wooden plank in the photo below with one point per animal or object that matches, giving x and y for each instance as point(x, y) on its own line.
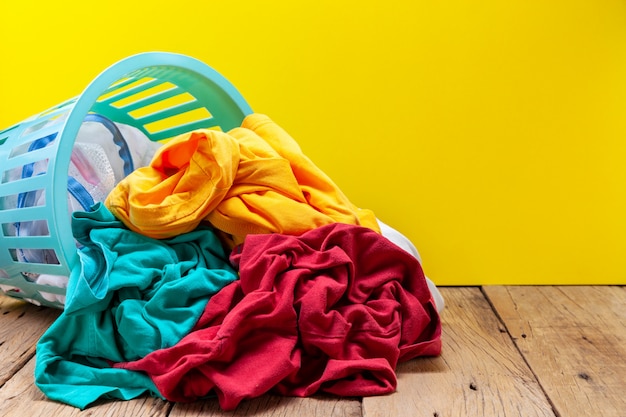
point(574, 339)
point(274, 406)
point(479, 373)
point(21, 325)
point(20, 397)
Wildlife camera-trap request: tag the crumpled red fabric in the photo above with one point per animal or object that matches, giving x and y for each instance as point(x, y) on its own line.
point(332, 310)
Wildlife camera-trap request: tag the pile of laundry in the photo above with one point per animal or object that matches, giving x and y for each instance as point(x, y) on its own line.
point(231, 266)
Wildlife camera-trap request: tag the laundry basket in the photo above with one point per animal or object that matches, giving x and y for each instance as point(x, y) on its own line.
point(161, 94)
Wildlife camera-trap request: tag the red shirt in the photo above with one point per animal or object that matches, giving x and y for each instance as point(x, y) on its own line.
point(333, 310)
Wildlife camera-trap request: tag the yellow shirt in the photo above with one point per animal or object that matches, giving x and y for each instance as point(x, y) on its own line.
point(253, 179)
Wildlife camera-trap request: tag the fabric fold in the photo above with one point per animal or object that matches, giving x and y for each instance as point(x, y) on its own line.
point(253, 179)
point(333, 310)
point(132, 295)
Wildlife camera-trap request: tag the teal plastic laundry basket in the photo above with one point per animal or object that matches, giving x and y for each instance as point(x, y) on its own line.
point(161, 94)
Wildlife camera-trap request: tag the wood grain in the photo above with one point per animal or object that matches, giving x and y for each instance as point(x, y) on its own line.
point(274, 406)
point(507, 351)
point(21, 325)
point(19, 397)
point(574, 338)
point(479, 373)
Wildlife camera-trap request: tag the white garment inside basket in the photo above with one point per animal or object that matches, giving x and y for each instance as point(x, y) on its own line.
point(98, 163)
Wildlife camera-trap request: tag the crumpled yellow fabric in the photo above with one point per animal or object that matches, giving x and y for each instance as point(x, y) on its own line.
point(252, 179)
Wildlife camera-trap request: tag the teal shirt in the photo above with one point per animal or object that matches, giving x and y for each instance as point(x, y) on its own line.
point(130, 296)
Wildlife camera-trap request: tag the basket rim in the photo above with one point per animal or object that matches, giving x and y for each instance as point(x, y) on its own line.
point(82, 104)
point(86, 100)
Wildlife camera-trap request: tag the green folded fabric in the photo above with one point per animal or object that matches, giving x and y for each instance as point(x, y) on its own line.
point(132, 295)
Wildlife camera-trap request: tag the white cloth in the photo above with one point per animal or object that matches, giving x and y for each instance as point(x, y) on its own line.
point(53, 281)
point(403, 242)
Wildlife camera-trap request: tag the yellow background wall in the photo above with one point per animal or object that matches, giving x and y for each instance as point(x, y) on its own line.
point(491, 133)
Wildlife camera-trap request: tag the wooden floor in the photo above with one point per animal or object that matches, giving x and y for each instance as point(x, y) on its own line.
point(507, 351)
